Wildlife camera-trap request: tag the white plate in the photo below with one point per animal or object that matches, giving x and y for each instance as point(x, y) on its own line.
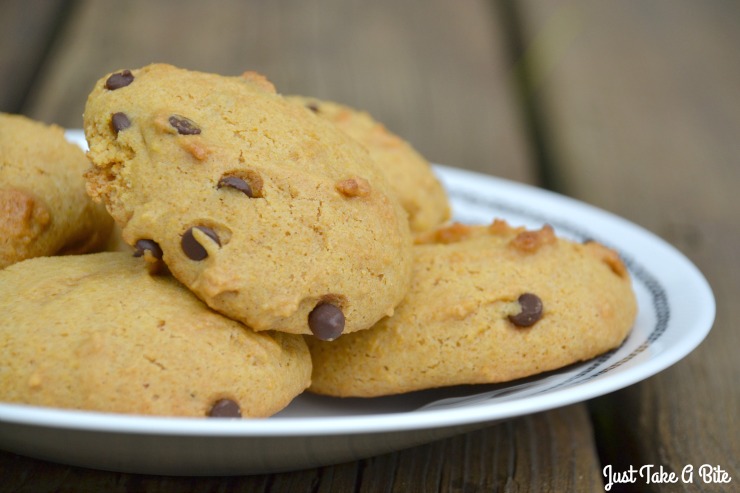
point(676, 311)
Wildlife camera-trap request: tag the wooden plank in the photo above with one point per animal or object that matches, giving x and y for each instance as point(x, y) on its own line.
point(643, 116)
point(550, 451)
point(433, 72)
point(436, 73)
point(26, 30)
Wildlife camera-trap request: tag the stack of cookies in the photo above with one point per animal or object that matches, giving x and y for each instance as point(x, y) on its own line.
point(267, 245)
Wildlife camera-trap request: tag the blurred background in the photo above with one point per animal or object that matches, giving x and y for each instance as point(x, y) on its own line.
point(633, 106)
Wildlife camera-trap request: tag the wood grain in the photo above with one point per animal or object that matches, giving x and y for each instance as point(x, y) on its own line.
point(643, 117)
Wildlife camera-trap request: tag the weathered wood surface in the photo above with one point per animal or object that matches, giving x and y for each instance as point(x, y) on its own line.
point(431, 71)
point(641, 107)
point(27, 31)
point(632, 106)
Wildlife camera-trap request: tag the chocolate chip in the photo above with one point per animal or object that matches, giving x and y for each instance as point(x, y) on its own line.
point(119, 121)
point(119, 80)
point(313, 107)
point(183, 125)
point(531, 310)
point(326, 321)
point(192, 248)
point(142, 246)
point(236, 183)
point(225, 408)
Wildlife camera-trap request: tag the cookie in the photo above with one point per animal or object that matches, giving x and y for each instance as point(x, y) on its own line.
point(487, 304)
point(264, 211)
point(97, 332)
point(44, 209)
point(409, 173)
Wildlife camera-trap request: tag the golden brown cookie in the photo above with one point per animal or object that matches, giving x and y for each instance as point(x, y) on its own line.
point(270, 215)
point(410, 175)
point(44, 209)
point(97, 332)
point(487, 304)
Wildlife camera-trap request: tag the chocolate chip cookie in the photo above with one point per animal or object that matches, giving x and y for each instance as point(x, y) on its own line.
point(44, 209)
point(487, 304)
point(97, 332)
point(410, 174)
point(270, 215)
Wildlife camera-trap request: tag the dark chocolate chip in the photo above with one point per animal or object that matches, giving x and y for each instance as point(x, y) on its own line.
point(236, 183)
point(119, 121)
point(225, 408)
point(326, 321)
point(313, 107)
point(142, 246)
point(531, 310)
point(183, 125)
point(119, 80)
point(192, 248)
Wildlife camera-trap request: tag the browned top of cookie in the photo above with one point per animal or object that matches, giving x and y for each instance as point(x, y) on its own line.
point(259, 207)
point(410, 174)
point(97, 332)
point(44, 209)
point(486, 304)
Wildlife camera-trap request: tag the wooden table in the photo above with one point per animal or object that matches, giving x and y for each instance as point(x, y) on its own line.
point(631, 106)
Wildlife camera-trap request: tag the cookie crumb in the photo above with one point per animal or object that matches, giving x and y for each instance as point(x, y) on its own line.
point(531, 241)
point(353, 187)
point(499, 227)
point(195, 148)
point(25, 216)
point(259, 80)
point(453, 233)
point(35, 381)
point(608, 256)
